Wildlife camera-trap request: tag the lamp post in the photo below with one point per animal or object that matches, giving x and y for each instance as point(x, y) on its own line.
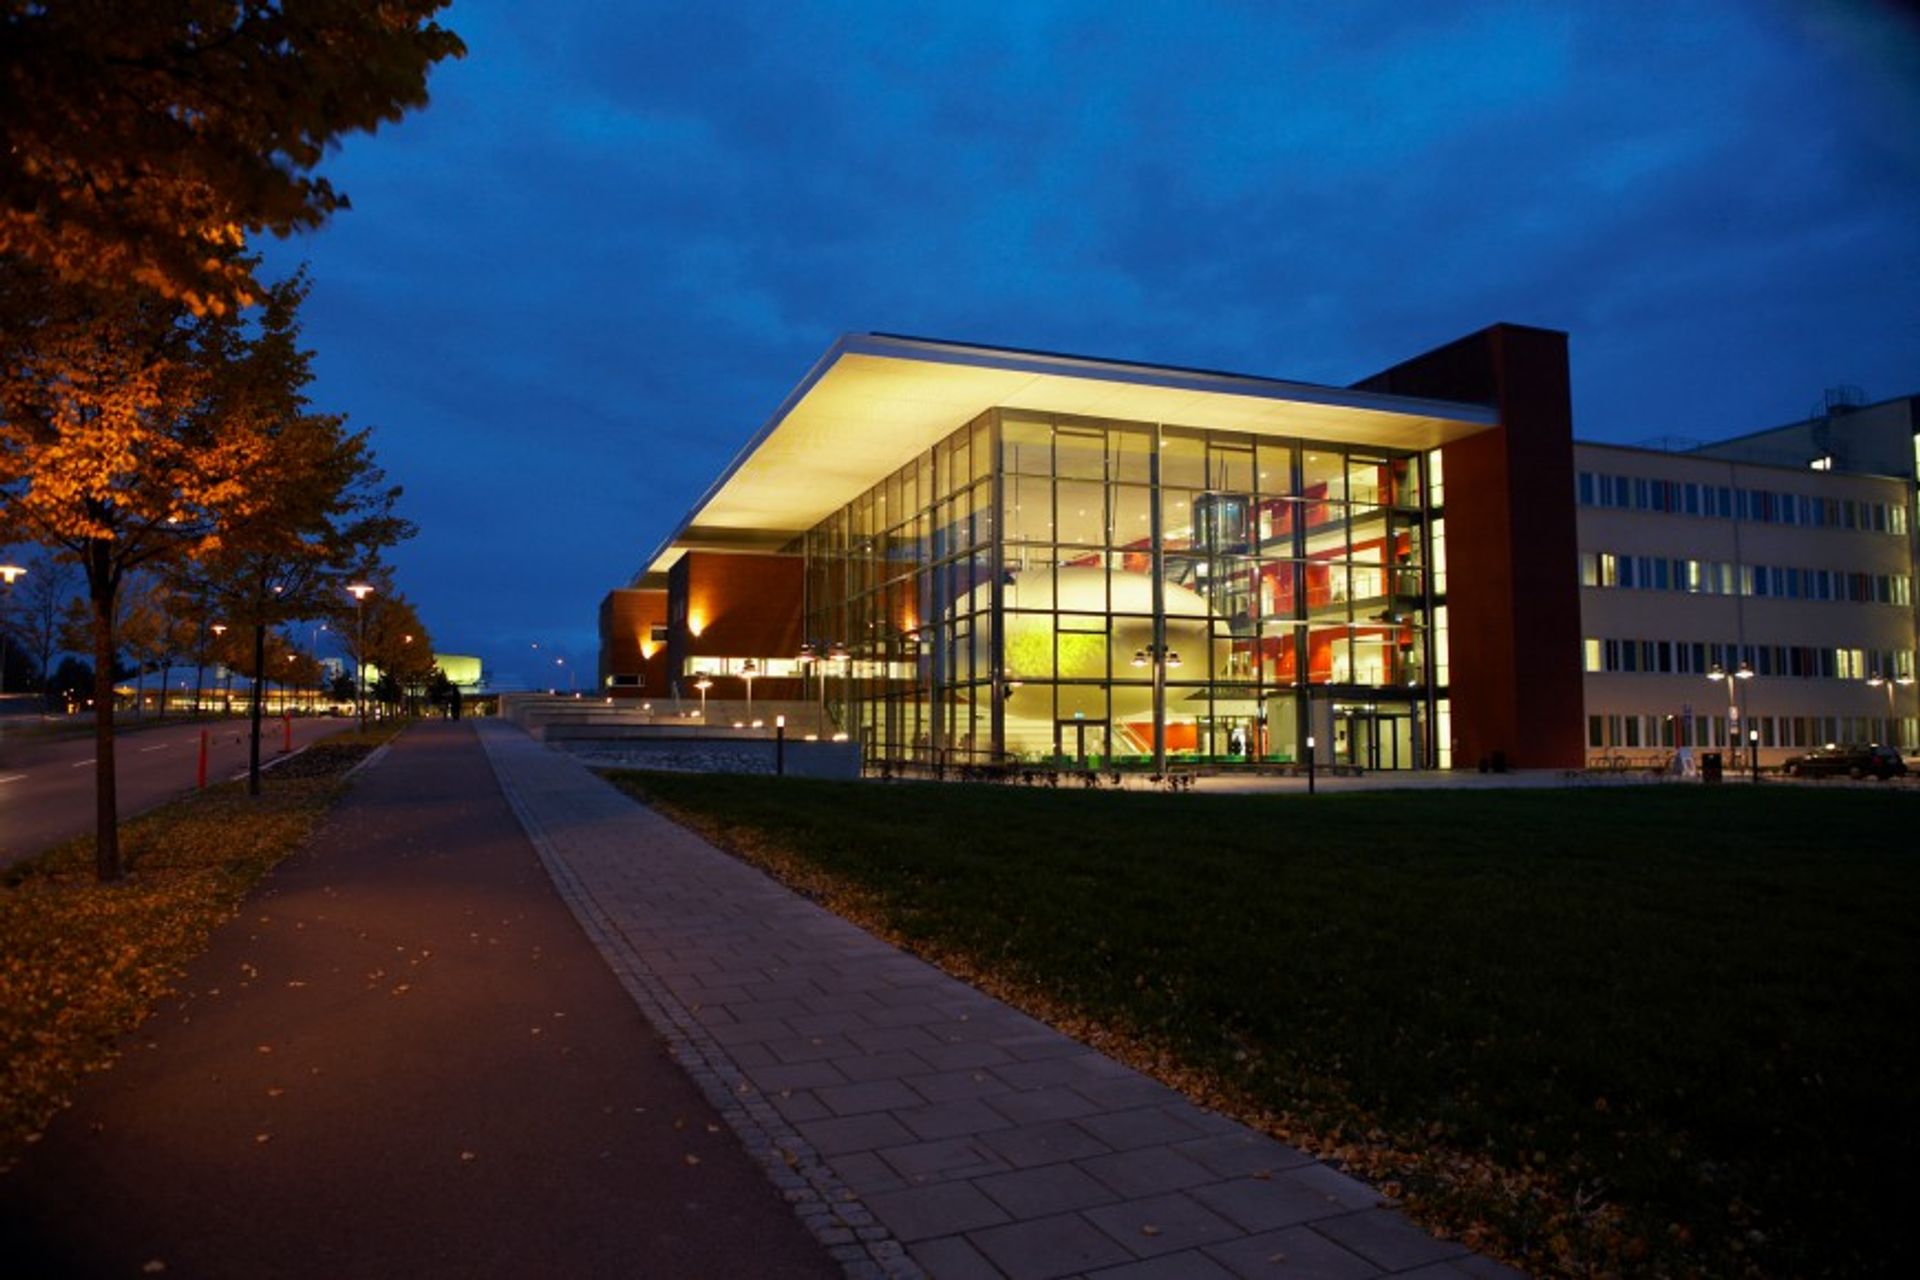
point(703, 684)
point(748, 670)
point(1879, 681)
point(9, 574)
point(1161, 658)
point(1720, 673)
point(360, 591)
point(226, 694)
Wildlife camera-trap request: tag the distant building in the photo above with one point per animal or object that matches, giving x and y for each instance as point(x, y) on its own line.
point(1758, 586)
point(978, 554)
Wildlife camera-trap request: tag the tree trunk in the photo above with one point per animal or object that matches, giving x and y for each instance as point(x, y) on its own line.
point(253, 744)
point(199, 678)
point(106, 807)
point(166, 672)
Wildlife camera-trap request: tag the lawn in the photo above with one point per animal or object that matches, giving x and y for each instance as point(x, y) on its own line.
point(1648, 1030)
point(82, 963)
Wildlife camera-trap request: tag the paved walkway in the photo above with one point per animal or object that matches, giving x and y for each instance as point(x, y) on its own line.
point(402, 1059)
point(917, 1125)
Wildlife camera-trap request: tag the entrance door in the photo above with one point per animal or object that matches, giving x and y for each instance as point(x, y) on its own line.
point(1374, 737)
point(1079, 744)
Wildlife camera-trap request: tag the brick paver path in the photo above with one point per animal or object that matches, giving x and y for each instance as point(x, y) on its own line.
point(918, 1126)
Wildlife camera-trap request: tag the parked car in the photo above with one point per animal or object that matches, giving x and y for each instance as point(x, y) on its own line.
point(1854, 761)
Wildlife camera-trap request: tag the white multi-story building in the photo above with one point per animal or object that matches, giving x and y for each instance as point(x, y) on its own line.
point(1760, 589)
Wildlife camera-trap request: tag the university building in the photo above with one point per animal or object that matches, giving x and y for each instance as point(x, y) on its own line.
point(963, 554)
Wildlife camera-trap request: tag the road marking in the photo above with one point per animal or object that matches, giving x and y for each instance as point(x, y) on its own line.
point(162, 747)
point(13, 777)
point(81, 764)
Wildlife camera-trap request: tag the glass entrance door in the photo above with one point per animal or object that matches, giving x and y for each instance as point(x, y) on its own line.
point(1080, 744)
point(1375, 736)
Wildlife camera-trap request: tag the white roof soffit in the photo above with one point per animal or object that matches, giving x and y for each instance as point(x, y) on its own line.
point(874, 402)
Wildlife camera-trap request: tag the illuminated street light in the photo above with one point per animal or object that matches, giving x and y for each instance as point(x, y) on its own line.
point(1742, 672)
point(1879, 681)
point(9, 574)
point(748, 670)
point(703, 684)
point(360, 591)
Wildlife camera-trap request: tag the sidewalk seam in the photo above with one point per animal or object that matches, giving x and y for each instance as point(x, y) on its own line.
point(818, 1197)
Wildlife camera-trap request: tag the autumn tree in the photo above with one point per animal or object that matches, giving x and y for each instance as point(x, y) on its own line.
point(325, 512)
point(144, 141)
point(128, 438)
point(396, 643)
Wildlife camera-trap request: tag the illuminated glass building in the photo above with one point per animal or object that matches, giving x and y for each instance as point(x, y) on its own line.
point(972, 555)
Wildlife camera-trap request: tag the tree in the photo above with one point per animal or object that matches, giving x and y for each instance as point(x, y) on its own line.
point(145, 141)
point(44, 595)
point(129, 436)
point(325, 511)
point(397, 644)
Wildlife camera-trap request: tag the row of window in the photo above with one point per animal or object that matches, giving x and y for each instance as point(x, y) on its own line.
point(1695, 657)
point(1722, 578)
point(1775, 731)
point(1727, 502)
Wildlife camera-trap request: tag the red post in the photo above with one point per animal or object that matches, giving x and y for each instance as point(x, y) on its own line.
point(288, 721)
point(202, 783)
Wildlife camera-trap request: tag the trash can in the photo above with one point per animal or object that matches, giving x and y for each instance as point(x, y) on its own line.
point(1710, 766)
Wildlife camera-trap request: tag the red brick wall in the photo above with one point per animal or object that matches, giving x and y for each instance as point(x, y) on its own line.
point(737, 606)
point(627, 619)
point(1512, 587)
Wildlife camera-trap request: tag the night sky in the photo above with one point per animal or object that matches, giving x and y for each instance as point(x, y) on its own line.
point(572, 287)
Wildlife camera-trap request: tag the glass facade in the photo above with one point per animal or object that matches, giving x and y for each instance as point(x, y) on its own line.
point(1041, 589)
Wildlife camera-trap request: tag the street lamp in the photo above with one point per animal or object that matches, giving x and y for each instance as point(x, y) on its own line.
point(1160, 657)
point(1742, 672)
point(226, 694)
point(9, 574)
point(1879, 681)
point(748, 670)
point(703, 684)
point(360, 591)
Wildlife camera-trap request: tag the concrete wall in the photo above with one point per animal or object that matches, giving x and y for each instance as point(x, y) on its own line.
point(832, 760)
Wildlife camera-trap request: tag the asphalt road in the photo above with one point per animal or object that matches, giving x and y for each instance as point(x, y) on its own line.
point(402, 1058)
point(46, 788)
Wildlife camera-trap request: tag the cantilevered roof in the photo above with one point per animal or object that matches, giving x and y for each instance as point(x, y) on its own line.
point(876, 401)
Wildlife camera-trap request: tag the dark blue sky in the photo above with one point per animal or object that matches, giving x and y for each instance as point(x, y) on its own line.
point(572, 287)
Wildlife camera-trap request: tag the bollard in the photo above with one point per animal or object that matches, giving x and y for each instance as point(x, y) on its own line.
point(780, 746)
point(1310, 779)
point(201, 784)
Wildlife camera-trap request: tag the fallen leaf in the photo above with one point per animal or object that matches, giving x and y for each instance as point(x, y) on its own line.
point(692, 1159)
point(153, 1266)
point(468, 1155)
point(1149, 1230)
point(263, 1137)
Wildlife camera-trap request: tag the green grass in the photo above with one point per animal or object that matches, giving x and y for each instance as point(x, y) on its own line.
point(1659, 1030)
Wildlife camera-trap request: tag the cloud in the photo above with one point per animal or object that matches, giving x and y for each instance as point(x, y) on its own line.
point(571, 289)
